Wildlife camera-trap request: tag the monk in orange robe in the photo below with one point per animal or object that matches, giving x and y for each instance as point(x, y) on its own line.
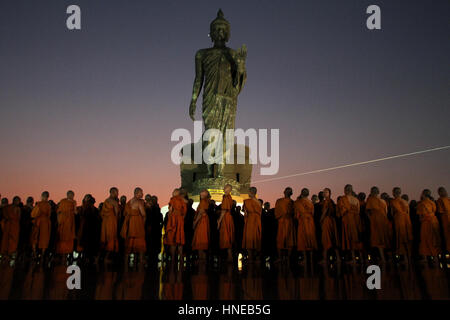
point(10, 226)
point(402, 225)
point(376, 210)
point(110, 219)
point(133, 229)
point(67, 208)
point(430, 240)
point(330, 238)
point(251, 239)
point(348, 211)
point(443, 210)
point(284, 213)
point(200, 241)
point(225, 223)
point(174, 233)
point(40, 233)
point(306, 231)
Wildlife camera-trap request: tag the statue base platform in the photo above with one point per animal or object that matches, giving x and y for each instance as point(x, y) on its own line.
point(195, 177)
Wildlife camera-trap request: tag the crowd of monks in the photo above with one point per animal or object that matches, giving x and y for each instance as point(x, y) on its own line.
point(315, 228)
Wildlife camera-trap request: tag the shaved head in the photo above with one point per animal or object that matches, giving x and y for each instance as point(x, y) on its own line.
point(442, 192)
point(204, 194)
point(16, 200)
point(348, 189)
point(374, 191)
point(138, 193)
point(426, 193)
point(396, 192)
point(114, 192)
point(227, 188)
point(113, 189)
point(288, 192)
point(305, 192)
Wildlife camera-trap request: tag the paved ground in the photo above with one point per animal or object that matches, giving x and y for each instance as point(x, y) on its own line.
point(254, 282)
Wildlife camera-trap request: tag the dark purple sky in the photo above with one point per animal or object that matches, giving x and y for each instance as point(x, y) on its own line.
point(94, 108)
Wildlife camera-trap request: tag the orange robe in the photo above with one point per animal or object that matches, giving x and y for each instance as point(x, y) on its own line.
point(306, 231)
point(252, 225)
point(40, 234)
point(330, 238)
point(200, 241)
point(402, 225)
point(10, 226)
point(284, 212)
point(226, 230)
point(108, 236)
point(66, 226)
point(379, 223)
point(443, 209)
point(430, 240)
point(348, 210)
point(133, 230)
point(174, 233)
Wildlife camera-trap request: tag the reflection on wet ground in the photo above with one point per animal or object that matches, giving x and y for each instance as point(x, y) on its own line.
point(251, 282)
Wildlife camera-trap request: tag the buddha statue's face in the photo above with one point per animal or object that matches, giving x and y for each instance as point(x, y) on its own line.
point(219, 33)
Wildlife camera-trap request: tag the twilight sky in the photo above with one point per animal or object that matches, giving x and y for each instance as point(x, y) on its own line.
point(87, 110)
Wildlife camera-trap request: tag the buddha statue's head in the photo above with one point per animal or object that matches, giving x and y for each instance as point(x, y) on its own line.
point(219, 29)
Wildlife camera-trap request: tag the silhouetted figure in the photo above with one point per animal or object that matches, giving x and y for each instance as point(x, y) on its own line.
point(25, 227)
point(88, 235)
point(238, 220)
point(3, 204)
point(122, 205)
point(269, 231)
point(415, 221)
point(154, 224)
point(54, 224)
point(10, 225)
point(213, 215)
point(443, 211)
point(317, 214)
point(330, 236)
point(188, 228)
point(365, 224)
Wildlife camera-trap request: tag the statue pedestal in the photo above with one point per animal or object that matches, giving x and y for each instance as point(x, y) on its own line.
point(194, 178)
